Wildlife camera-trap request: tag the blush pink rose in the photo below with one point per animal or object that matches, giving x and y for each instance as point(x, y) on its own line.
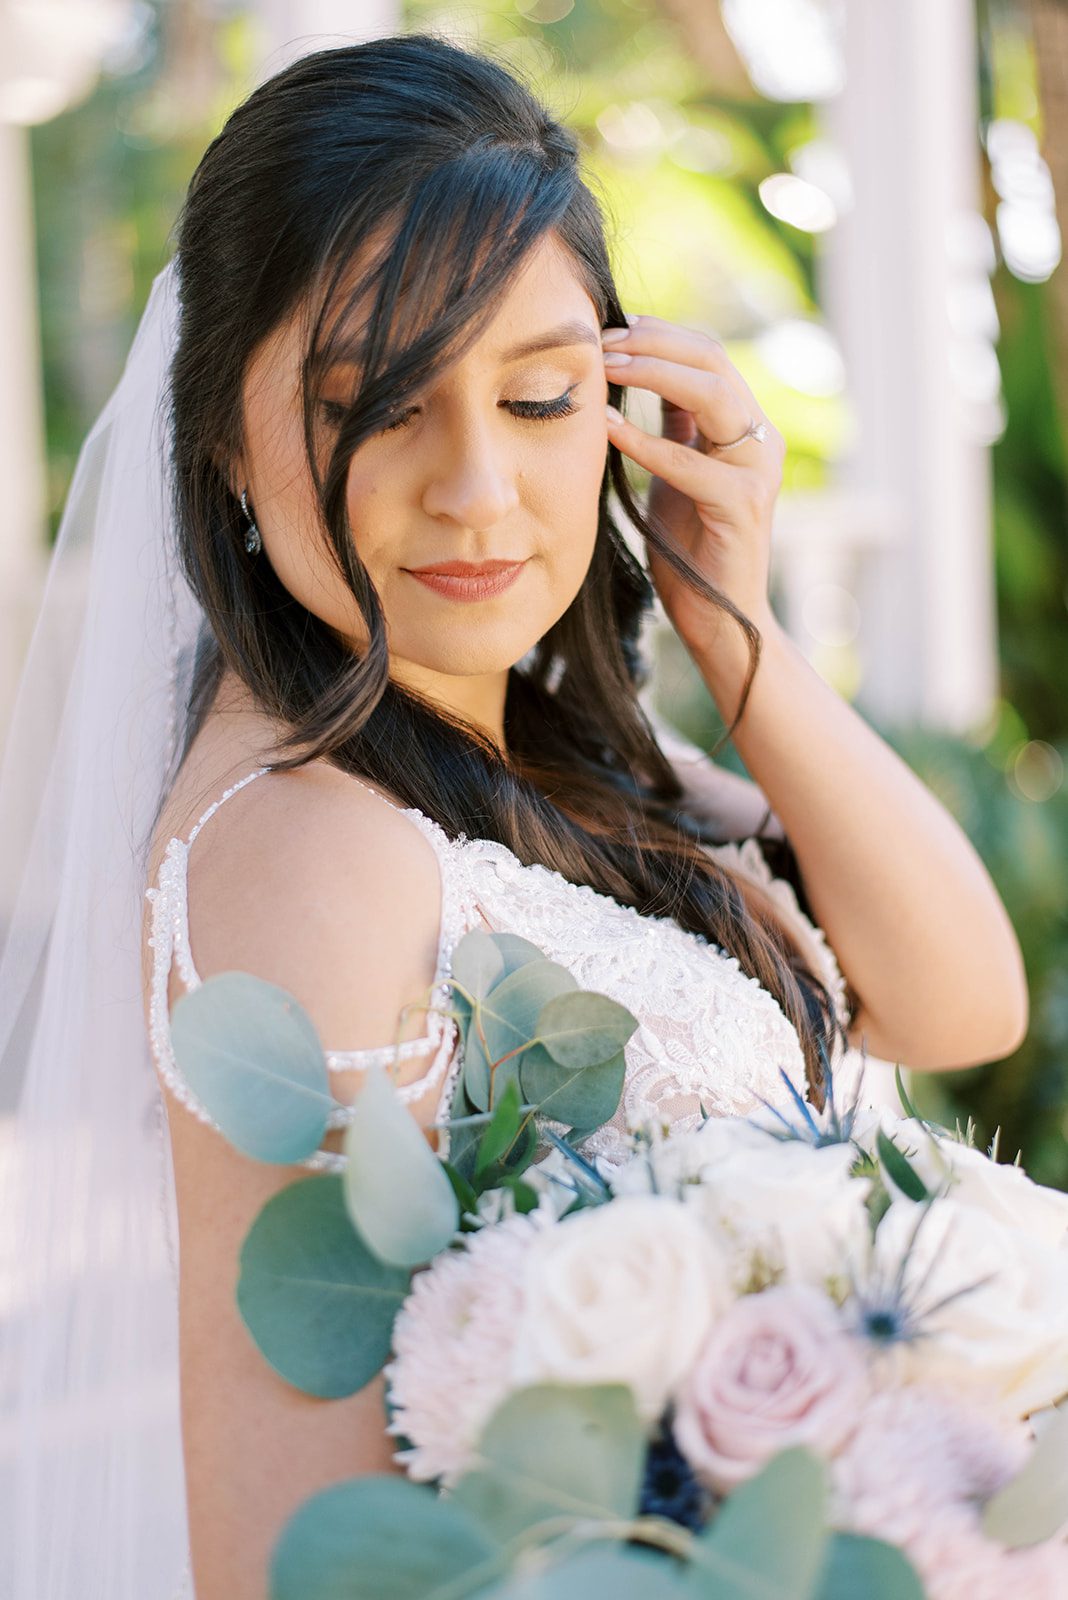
point(778, 1369)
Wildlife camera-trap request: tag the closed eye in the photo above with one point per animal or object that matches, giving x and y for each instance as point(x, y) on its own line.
point(532, 410)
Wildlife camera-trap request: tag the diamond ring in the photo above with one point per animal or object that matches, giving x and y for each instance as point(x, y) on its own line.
point(755, 430)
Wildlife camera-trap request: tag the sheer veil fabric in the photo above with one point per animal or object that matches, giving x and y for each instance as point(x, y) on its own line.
point(92, 1499)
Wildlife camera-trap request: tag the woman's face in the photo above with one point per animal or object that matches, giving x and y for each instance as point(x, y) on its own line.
point(464, 476)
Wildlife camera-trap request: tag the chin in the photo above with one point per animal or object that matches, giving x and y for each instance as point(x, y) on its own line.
point(469, 658)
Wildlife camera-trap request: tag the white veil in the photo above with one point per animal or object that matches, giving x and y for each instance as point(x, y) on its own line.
point(92, 1499)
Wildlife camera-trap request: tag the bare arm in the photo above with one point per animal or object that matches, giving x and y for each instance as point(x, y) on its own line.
point(337, 900)
point(919, 929)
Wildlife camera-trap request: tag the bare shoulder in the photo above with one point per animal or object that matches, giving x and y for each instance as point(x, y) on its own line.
point(315, 883)
point(312, 881)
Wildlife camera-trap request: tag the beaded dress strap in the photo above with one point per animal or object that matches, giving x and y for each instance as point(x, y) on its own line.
point(377, 1055)
point(170, 940)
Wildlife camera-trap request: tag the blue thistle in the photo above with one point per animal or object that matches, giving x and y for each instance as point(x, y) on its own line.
point(670, 1488)
point(885, 1312)
point(837, 1124)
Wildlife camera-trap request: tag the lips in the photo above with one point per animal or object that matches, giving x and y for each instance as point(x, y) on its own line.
point(466, 569)
point(467, 580)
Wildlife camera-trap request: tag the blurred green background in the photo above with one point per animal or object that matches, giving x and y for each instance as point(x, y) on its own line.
point(680, 142)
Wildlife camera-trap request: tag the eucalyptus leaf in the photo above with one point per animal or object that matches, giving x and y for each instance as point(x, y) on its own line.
point(582, 1097)
point(515, 952)
point(465, 1195)
point(604, 1572)
point(510, 1015)
point(463, 1141)
point(768, 1539)
point(317, 1302)
point(507, 1019)
point(857, 1566)
point(1034, 1505)
point(505, 1074)
point(517, 1160)
point(398, 1194)
point(500, 1133)
point(250, 1053)
point(475, 1072)
point(899, 1169)
point(554, 1451)
point(380, 1537)
point(477, 962)
point(583, 1029)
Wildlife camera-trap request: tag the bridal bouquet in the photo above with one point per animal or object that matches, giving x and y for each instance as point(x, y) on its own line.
point(799, 1355)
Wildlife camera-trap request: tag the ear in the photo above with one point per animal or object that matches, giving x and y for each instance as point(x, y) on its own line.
point(233, 470)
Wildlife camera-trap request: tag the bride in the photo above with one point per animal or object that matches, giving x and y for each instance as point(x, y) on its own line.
point(383, 354)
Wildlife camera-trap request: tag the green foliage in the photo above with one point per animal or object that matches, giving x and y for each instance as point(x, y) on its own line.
point(505, 1019)
point(534, 1044)
point(250, 1052)
point(318, 1303)
point(614, 1571)
point(899, 1169)
point(767, 1540)
point(380, 1538)
point(399, 1196)
point(555, 1453)
point(548, 1511)
point(1024, 845)
point(858, 1566)
point(500, 1134)
point(583, 1097)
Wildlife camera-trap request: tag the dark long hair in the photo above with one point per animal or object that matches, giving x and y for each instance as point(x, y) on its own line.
point(448, 163)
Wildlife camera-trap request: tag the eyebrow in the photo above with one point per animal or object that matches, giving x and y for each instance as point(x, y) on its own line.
point(565, 333)
point(573, 332)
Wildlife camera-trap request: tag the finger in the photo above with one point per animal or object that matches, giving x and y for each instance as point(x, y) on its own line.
point(719, 411)
point(703, 479)
point(677, 423)
point(655, 337)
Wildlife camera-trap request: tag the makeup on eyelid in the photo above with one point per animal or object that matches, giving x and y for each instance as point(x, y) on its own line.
point(529, 410)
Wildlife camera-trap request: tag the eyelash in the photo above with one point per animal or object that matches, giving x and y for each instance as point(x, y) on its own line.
point(531, 410)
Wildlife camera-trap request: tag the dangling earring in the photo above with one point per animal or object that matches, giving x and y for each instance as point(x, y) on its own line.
point(253, 541)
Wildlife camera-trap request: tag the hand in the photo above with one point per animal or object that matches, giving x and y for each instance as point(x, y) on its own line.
point(717, 508)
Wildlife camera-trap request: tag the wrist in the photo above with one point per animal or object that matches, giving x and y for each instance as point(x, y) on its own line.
point(724, 662)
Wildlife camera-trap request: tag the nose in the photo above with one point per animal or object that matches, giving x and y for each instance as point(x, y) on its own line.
point(473, 481)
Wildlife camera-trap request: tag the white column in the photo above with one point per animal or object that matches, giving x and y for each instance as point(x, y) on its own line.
point(906, 292)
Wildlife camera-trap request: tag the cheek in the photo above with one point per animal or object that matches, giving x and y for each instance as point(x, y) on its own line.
point(294, 536)
point(565, 486)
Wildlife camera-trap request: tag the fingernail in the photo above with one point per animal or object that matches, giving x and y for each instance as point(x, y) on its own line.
point(615, 358)
point(614, 333)
point(612, 414)
point(631, 318)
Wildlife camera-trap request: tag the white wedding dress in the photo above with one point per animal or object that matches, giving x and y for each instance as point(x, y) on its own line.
point(709, 1037)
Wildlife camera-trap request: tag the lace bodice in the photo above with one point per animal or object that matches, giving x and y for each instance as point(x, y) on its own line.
point(710, 1039)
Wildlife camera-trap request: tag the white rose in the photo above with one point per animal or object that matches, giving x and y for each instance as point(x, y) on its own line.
point(784, 1209)
point(624, 1292)
point(1005, 1339)
point(673, 1160)
point(1007, 1194)
point(941, 1162)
